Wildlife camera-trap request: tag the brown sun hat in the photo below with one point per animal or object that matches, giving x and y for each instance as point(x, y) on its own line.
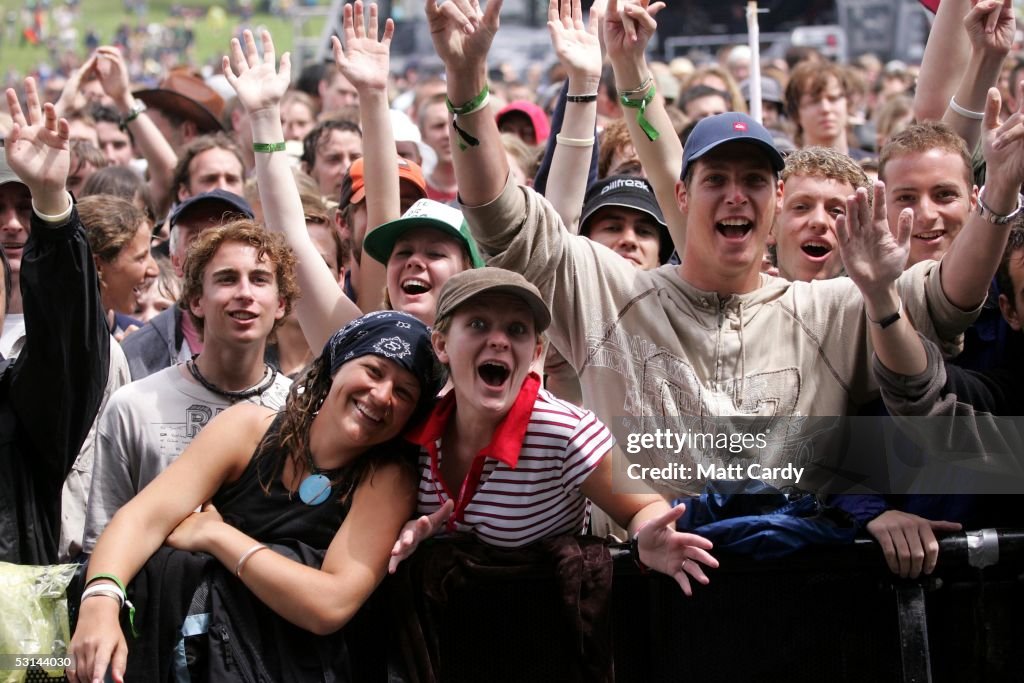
point(187, 95)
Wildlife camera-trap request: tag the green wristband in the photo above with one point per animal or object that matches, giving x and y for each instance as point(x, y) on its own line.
point(471, 106)
point(641, 106)
point(268, 147)
point(466, 140)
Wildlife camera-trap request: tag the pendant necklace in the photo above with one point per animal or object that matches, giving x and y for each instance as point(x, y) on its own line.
point(315, 489)
point(269, 376)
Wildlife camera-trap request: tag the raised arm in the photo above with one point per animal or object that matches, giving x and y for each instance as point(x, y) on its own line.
point(628, 27)
point(154, 147)
point(874, 259)
point(972, 259)
point(945, 58)
point(71, 97)
point(990, 26)
point(66, 336)
point(323, 308)
point(579, 51)
point(462, 36)
point(365, 62)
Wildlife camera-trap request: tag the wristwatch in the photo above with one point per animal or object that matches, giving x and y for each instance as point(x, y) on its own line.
point(991, 216)
point(138, 106)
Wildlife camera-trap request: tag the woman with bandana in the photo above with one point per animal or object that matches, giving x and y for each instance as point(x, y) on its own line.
point(327, 473)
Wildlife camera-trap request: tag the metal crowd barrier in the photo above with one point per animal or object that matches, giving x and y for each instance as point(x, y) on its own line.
point(829, 614)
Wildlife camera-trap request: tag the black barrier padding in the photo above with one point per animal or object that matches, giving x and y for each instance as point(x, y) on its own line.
point(818, 616)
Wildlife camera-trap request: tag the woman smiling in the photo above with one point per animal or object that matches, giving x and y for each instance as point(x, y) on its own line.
point(119, 236)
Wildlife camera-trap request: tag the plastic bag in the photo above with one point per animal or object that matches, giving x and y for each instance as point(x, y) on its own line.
point(34, 613)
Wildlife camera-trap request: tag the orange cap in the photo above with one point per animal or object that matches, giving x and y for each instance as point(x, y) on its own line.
point(407, 170)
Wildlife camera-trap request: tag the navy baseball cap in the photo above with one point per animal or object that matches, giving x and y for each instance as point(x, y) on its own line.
point(721, 129)
point(233, 205)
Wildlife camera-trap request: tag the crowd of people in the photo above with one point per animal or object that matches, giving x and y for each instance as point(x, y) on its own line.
point(335, 322)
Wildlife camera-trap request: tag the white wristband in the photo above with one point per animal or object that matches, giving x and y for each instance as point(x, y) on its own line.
point(108, 589)
point(58, 218)
point(574, 142)
point(966, 113)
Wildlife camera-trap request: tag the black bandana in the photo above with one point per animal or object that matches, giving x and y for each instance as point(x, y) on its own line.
point(397, 336)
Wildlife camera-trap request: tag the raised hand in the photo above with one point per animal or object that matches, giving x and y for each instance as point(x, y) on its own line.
point(113, 75)
point(872, 255)
point(629, 26)
point(991, 26)
point(416, 531)
point(71, 97)
point(1003, 148)
point(38, 149)
point(462, 32)
point(258, 83)
point(577, 46)
point(677, 554)
point(364, 60)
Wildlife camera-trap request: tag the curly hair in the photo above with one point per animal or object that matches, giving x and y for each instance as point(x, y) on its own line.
point(614, 137)
point(823, 162)
point(267, 244)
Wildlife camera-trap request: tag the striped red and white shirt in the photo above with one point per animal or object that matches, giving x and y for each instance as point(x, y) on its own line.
point(525, 485)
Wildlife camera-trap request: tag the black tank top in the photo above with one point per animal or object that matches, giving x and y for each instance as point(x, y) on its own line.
point(279, 516)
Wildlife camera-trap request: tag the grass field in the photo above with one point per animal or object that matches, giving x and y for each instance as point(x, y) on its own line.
point(212, 33)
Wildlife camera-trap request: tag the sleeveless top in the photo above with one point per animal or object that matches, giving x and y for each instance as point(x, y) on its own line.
point(280, 516)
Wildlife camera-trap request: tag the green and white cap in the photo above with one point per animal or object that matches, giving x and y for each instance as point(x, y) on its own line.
point(425, 213)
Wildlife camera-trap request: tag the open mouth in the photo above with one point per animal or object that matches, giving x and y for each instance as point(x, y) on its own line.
point(415, 286)
point(11, 246)
point(243, 315)
point(816, 250)
point(734, 228)
point(493, 373)
point(930, 236)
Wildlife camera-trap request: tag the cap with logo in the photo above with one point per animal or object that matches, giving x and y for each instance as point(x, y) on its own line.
point(468, 284)
point(232, 203)
point(407, 170)
point(426, 213)
point(721, 129)
point(630, 192)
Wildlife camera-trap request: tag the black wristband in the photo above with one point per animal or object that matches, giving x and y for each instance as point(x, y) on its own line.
point(581, 98)
point(634, 552)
